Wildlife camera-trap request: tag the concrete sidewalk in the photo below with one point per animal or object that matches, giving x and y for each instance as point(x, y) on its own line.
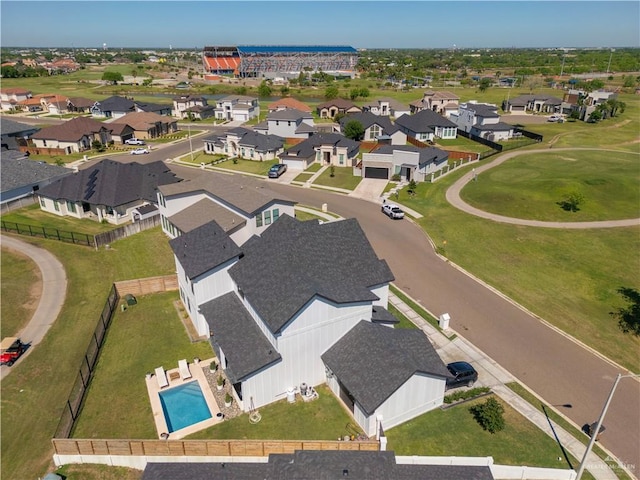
point(494, 376)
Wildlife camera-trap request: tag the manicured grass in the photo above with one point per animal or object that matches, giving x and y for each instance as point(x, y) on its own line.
point(314, 167)
point(303, 177)
point(531, 186)
point(404, 321)
point(33, 215)
point(414, 306)
point(568, 277)
point(20, 288)
point(145, 336)
point(321, 419)
point(248, 166)
point(461, 144)
point(35, 393)
point(390, 186)
point(89, 471)
point(305, 216)
point(558, 420)
point(343, 178)
point(455, 432)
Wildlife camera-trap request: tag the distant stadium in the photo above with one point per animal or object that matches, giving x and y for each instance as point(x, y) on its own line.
point(279, 61)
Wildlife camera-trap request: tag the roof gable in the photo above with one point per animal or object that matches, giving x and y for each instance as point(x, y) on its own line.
point(72, 130)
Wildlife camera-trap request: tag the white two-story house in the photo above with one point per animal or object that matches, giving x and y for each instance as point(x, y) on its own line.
point(426, 126)
point(288, 123)
point(323, 148)
point(407, 161)
point(238, 108)
point(482, 120)
point(281, 313)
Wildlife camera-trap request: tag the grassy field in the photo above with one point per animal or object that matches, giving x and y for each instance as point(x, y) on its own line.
point(531, 186)
point(20, 284)
point(34, 394)
point(140, 339)
point(455, 432)
point(322, 419)
point(33, 215)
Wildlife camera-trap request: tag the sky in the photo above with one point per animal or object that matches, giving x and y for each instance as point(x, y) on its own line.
point(360, 24)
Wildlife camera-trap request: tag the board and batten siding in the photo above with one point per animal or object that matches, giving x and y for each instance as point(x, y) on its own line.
point(316, 328)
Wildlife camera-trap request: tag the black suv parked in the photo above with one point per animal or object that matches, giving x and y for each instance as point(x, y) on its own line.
point(462, 373)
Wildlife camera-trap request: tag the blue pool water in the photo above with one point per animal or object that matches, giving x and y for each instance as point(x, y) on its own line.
point(183, 406)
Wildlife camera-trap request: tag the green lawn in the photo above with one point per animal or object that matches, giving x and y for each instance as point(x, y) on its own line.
point(248, 166)
point(314, 167)
point(90, 471)
point(455, 432)
point(343, 178)
point(35, 393)
point(568, 277)
point(145, 336)
point(461, 144)
point(33, 215)
point(531, 185)
point(303, 177)
point(321, 419)
point(20, 291)
point(404, 321)
point(415, 307)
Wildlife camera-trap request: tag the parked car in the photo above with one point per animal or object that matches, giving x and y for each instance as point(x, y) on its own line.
point(555, 118)
point(462, 374)
point(139, 151)
point(392, 210)
point(277, 170)
point(134, 141)
point(11, 348)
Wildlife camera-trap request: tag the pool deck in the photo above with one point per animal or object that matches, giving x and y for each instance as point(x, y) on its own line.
point(197, 373)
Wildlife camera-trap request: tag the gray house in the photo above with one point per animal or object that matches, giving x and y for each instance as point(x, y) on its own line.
point(426, 125)
point(324, 148)
point(407, 161)
point(15, 133)
point(288, 123)
point(377, 128)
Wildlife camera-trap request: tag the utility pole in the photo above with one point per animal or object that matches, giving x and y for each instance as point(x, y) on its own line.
point(610, 56)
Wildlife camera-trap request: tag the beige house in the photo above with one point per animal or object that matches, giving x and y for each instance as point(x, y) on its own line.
point(338, 105)
point(73, 136)
point(148, 124)
point(444, 103)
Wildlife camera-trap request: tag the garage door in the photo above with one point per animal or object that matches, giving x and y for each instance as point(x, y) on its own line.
point(376, 172)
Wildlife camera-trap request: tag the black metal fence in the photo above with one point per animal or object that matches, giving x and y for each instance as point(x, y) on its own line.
point(76, 397)
point(49, 233)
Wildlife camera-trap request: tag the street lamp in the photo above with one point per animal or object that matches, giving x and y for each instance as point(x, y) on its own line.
point(595, 431)
point(190, 145)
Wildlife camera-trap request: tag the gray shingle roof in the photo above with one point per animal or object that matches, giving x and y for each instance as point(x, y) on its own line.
point(368, 349)
point(424, 121)
point(427, 155)
point(382, 315)
point(116, 104)
point(304, 259)
point(243, 193)
point(21, 171)
point(245, 347)
point(482, 110)
point(204, 211)
point(289, 114)
point(307, 147)
point(10, 127)
point(203, 249)
point(367, 119)
point(494, 127)
point(112, 183)
point(317, 465)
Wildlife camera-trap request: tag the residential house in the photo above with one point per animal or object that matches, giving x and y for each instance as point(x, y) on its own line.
point(55, 104)
point(377, 128)
point(338, 105)
point(534, 103)
point(31, 104)
point(482, 120)
point(183, 103)
point(147, 125)
point(121, 132)
point(386, 107)
point(288, 102)
point(296, 321)
point(244, 143)
point(584, 102)
point(157, 108)
point(407, 161)
point(108, 190)
point(444, 103)
point(79, 104)
point(288, 123)
point(324, 148)
point(426, 126)
point(238, 108)
point(14, 134)
point(322, 464)
point(73, 136)
point(22, 177)
point(11, 97)
point(113, 107)
point(239, 206)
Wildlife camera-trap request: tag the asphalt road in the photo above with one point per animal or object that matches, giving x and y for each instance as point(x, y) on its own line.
point(558, 369)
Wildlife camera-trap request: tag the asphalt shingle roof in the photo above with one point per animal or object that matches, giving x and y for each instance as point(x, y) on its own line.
point(494, 127)
point(21, 171)
point(424, 121)
point(111, 183)
point(116, 104)
point(367, 119)
point(368, 349)
point(306, 259)
point(289, 114)
point(482, 110)
point(382, 315)
point(204, 211)
point(72, 130)
point(203, 248)
point(8, 127)
point(245, 346)
point(306, 148)
point(427, 155)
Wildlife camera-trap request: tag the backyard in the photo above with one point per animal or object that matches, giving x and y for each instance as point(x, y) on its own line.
point(21, 283)
point(33, 215)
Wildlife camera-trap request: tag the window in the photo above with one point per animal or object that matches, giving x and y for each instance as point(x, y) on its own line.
point(276, 214)
point(242, 152)
point(374, 132)
point(43, 202)
point(56, 205)
point(267, 217)
point(341, 158)
point(259, 220)
point(318, 155)
point(71, 207)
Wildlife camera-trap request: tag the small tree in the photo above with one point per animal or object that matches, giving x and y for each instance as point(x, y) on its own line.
point(98, 146)
point(331, 92)
point(484, 84)
point(629, 317)
point(332, 171)
point(354, 93)
point(364, 92)
point(489, 415)
point(264, 90)
point(113, 77)
point(572, 201)
point(354, 130)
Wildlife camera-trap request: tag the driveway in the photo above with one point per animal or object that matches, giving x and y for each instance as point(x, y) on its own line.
point(54, 291)
point(370, 188)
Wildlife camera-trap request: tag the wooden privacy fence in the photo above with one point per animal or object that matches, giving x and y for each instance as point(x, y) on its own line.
point(214, 448)
point(126, 231)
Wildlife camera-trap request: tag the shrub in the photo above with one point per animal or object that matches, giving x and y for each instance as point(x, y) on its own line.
point(396, 177)
point(489, 415)
point(228, 398)
point(466, 394)
point(220, 380)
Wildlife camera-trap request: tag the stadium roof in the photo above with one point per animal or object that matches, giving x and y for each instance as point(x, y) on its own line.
point(296, 49)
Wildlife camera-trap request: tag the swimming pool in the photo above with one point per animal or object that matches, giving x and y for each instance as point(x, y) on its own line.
point(183, 406)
